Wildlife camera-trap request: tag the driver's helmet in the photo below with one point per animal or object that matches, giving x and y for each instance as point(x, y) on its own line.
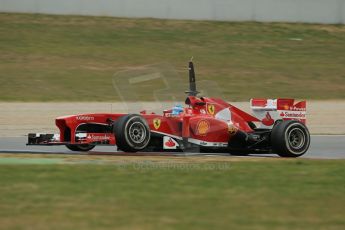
point(177, 109)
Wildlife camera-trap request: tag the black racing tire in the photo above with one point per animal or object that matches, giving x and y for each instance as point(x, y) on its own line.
point(290, 139)
point(80, 148)
point(132, 133)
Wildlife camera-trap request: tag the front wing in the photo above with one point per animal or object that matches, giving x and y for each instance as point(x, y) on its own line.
point(80, 138)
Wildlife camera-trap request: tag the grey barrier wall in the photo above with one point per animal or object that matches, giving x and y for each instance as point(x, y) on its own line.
point(309, 11)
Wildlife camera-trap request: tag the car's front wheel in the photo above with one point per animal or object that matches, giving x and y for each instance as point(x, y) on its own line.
point(132, 133)
point(290, 139)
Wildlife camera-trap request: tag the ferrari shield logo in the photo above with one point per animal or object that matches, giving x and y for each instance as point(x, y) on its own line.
point(156, 123)
point(210, 109)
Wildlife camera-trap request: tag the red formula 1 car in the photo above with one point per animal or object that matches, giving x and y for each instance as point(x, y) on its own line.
point(204, 124)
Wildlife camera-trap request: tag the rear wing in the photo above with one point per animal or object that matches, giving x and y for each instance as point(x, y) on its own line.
point(271, 110)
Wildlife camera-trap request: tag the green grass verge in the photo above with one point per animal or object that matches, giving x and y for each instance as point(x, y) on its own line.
point(71, 58)
point(242, 194)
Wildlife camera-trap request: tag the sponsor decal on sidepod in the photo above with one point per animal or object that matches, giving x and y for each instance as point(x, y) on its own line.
point(169, 143)
point(202, 127)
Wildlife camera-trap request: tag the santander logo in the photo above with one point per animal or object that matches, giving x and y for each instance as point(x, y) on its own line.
point(170, 143)
point(268, 121)
point(293, 114)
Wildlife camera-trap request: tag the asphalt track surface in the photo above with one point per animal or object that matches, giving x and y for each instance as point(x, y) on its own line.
point(322, 147)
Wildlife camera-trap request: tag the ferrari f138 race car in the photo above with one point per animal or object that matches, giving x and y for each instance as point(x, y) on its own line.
point(204, 124)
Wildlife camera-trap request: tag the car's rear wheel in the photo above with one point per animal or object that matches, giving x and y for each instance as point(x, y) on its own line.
point(290, 139)
point(81, 148)
point(132, 133)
